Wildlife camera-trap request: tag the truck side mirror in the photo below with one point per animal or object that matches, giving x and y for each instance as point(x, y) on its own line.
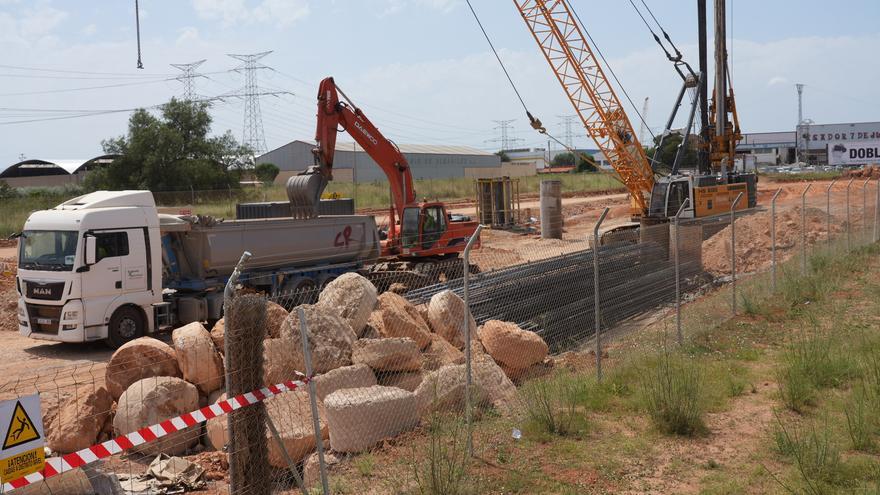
point(91, 249)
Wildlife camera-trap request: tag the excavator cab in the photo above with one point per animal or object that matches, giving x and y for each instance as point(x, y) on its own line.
point(422, 226)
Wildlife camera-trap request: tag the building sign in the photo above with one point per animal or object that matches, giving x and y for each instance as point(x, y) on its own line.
point(23, 438)
point(819, 136)
point(854, 153)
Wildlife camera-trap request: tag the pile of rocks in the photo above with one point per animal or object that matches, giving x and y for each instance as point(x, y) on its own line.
point(382, 364)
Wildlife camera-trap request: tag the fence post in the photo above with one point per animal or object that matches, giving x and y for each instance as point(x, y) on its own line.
point(678, 272)
point(597, 314)
point(865, 210)
point(319, 440)
point(828, 210)
point(848, 224)
point(804, 229)
point(733, 250)
point(877, 210)
point(773, 238)
point(466, 259)
point(192, 195)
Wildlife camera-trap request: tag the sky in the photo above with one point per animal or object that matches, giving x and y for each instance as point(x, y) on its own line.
point(420, 69)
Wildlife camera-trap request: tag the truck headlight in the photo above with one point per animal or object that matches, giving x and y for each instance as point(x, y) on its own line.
point(21, 312)
point(71, 315)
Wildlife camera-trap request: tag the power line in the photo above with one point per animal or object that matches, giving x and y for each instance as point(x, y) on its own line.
point(86, 88)
point(86, 72)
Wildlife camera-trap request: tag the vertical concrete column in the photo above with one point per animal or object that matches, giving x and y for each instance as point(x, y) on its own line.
point(551, 209)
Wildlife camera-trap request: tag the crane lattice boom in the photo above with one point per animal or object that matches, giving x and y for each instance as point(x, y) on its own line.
point(577, 69)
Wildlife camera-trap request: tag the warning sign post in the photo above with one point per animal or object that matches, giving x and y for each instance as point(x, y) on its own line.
point(23, 437)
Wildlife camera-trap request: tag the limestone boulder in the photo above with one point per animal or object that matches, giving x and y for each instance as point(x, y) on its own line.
point(537, 370)
point(312, 467)
point(440, 353)
point(216, 431)
point(197, 357)
point(355, 376)
point(511, 346)
point(442, 389)
point(360, 418)
point(401, 319)
point(374, 328)
point(140, 358)
point(446, 313)
point(218, 334)
point(353, 296)
point(492, 383)
point(329, 334)
point(407, 380)
point(79, 421)
point(392, 354)
point(279, 361)
point(292, 415)
point(275, 316)
point(152, 400)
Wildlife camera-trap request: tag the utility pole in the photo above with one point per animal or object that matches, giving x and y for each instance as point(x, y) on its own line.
point(252, 134)
point(720, 70)
point(800, 122)
point(568, 136)
point(643, 127)
point(703, 155)
point(505, 139)
point(189, 73)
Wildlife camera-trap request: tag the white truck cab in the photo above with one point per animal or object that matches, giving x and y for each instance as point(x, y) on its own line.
point(82, 277)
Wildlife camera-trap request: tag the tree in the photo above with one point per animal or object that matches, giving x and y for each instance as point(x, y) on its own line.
point(266, 172)
point(171, 151)
point(501, 154)
point(666, 157)
point(586, 163)
point(565, 159)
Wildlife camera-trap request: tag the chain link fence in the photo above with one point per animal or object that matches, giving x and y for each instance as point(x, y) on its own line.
point(398, 378)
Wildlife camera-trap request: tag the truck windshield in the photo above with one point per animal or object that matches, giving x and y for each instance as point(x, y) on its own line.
point(47, 250)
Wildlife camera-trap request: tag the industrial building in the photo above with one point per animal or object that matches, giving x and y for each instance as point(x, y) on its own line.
point(51, 173)
point(352, 164)
point(852, 144)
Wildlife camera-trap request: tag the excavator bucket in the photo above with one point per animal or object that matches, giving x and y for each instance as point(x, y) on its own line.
point(304, 192)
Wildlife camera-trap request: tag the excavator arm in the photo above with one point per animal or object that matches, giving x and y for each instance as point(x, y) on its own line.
point(334, 114)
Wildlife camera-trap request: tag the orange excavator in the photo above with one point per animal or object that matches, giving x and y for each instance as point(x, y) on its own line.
point(418, 232)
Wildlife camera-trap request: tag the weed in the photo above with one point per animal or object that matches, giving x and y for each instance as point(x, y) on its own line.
point(751, 306)
point(365, 464)
point(858, 420)
point(810, 363)
point(672, 392)
point(816, 458)
point(442, 468)
point(553, 404)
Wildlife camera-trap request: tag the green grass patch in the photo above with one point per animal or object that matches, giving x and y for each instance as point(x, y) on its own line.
point(672, 392)
point(554, 405)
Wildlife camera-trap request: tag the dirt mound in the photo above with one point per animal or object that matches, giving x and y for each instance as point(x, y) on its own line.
point(8, 296)
point(869, 172)
point(753, 240)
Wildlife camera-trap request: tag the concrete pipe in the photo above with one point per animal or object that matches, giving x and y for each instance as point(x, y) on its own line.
point(551, 209)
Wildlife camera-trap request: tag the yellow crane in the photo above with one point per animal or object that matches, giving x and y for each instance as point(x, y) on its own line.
point(556, 29)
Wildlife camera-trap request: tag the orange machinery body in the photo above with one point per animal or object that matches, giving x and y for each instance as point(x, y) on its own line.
point(415, 229)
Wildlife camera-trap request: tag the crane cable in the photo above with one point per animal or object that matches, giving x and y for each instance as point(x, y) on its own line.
point(613, 74)
point(533, 121)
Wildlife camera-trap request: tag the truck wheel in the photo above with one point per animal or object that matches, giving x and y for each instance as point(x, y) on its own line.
point(126, 324)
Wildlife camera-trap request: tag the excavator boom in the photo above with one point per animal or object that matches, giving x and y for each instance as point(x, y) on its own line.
point(333, 114)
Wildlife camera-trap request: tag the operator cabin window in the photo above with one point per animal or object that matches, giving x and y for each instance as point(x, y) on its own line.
point(111, 245)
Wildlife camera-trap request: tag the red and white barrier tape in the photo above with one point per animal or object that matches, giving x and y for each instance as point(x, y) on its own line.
point(57, 465)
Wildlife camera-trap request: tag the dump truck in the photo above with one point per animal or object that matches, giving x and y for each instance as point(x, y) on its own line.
point(108, 266)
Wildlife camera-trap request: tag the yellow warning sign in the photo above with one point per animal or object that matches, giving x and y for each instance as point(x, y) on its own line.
point(23, 439)
point(22, 464)
point(21, 429)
